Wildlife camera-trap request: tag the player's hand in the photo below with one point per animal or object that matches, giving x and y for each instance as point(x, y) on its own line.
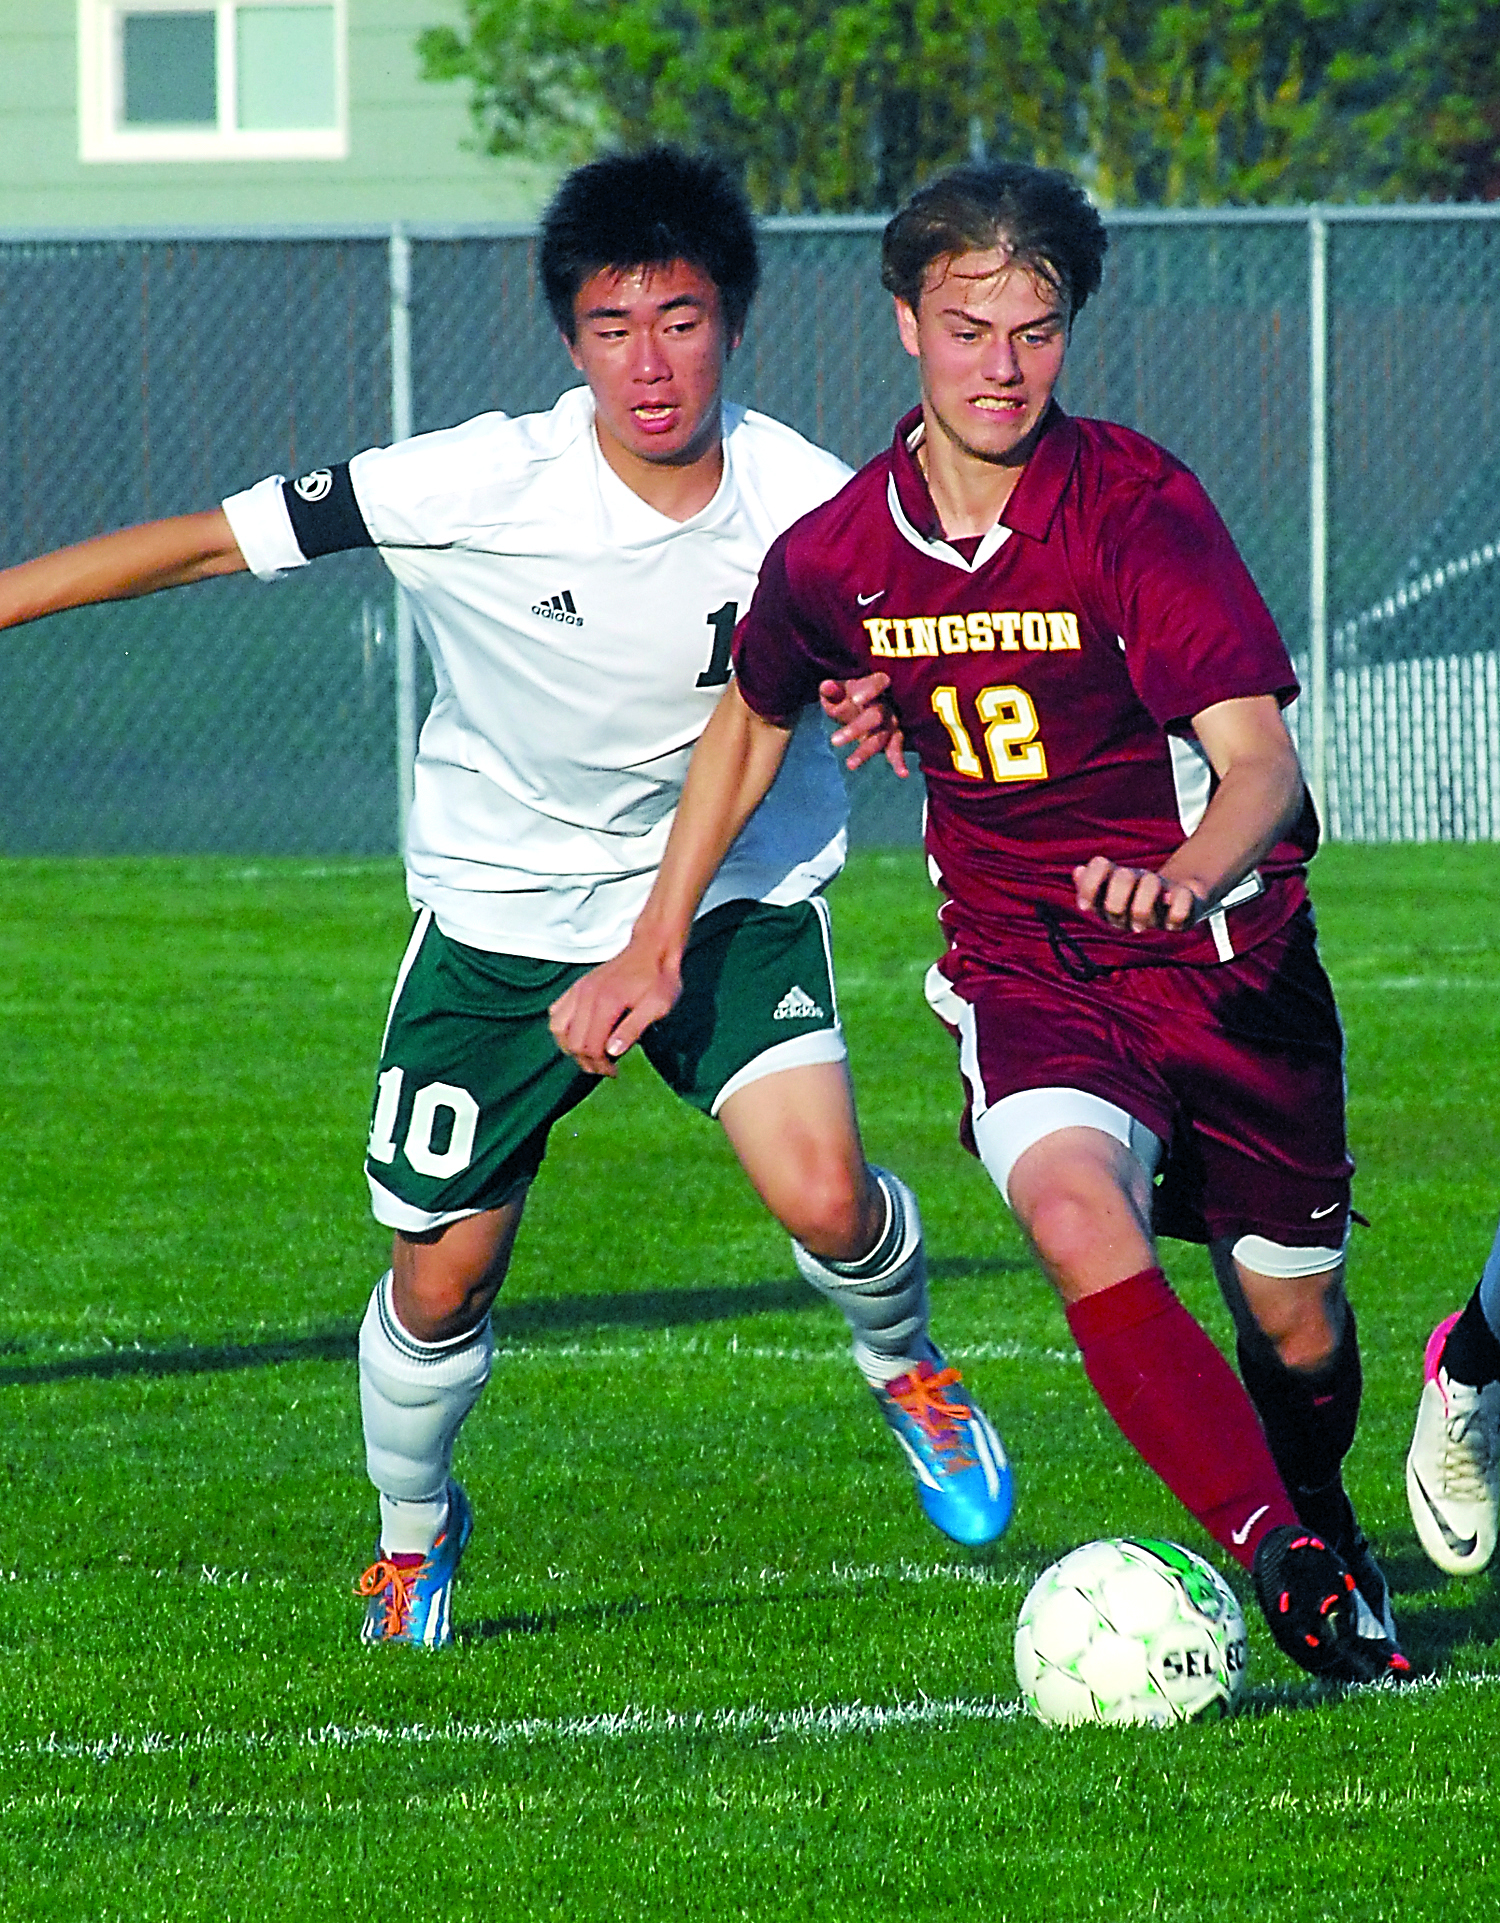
point(1134, 899)
point(866, 719)
point(603, 1015)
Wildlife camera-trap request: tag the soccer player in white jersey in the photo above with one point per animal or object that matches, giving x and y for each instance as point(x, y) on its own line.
point(576, 576)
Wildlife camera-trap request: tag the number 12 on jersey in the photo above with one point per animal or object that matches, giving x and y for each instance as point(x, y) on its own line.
point(1010, 734)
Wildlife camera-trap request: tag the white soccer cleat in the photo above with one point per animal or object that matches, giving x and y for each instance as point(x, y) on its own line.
point(1453, 1466)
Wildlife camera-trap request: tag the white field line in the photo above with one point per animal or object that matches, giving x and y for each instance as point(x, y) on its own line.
point(694, 1345)
point(765, 1725)
point(662, 1343)
point(1385, 984)
point(768, 1725)
point(317, 872)
point(666, 1343)
point(750, 1582)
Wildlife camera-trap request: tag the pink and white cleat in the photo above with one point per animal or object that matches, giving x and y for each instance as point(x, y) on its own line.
point(1453, 1466)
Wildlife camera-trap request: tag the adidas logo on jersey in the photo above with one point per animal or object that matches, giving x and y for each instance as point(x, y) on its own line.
point(796, 1005)
point(559, 607)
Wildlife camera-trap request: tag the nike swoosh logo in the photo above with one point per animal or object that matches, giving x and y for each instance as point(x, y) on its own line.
point(1457, 1544)
point(865, 600)
point(1241, 1536)
point(1318, 1214)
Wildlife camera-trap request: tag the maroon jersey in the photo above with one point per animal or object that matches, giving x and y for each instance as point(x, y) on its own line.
point(1046, 678)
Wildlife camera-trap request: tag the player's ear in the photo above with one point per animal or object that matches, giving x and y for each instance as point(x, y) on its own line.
point(906, 325)
point(572, 347)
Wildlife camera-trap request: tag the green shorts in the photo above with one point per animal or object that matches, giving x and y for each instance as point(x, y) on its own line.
point(471, 1081)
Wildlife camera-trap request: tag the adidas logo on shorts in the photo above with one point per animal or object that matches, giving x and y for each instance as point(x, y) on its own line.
point(796, 1005)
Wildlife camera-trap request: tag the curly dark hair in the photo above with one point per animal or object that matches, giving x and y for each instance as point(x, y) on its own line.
point(1042, 215)
point(648, 209)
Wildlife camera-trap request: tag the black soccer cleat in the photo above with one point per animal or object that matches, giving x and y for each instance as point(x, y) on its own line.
point(1328, 1513)
point(1369, 1579)
point(1316, 1612)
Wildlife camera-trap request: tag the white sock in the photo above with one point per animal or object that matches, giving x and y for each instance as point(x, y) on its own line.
point(883, 1296)
point(411, 1528)
point(413, 1397)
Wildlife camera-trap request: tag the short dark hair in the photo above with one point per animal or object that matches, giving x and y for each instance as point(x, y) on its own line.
point(648, 209)
point(1041, 214)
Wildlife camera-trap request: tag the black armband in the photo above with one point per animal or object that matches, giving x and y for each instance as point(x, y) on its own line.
point(325, 515)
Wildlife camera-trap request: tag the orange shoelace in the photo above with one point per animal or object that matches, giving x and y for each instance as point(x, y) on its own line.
point(398, 1583)
point(924, 1401)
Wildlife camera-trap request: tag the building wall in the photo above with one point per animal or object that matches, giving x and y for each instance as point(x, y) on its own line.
point(409, 152)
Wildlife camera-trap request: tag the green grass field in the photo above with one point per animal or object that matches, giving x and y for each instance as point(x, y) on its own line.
point(712, 1661)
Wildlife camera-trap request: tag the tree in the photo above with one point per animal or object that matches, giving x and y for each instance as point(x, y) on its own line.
point(840, 106)
point(845, 105)
point(1443, 114)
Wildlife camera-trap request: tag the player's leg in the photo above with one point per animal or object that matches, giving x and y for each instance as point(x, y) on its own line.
point(1257, 1048)
point(1453, 1466)
point(1076, 1168)
point(469, 1084)
point(424, 1352)
point(1297, 1345)
point(425, 1347)
point(1082, 1195)
point(755, 1041)
point(1181, 1407)
point(857, 1238)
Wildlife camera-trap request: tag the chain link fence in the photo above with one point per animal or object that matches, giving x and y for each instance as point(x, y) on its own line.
point(1331, 374)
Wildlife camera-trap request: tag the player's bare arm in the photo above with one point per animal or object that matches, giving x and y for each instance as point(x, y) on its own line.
point(1258, 797)
point(121, 566)
point(604, 1013)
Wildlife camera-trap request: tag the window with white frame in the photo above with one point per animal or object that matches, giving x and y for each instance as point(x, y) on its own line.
point(212, 80)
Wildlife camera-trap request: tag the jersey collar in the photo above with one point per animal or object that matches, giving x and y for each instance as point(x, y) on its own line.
point(1031, 506)
point(634, 519)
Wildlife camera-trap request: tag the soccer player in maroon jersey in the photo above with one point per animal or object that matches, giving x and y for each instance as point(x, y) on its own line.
point(1094, 688)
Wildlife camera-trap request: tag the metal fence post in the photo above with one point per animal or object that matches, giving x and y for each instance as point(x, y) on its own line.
point(1317, 508)
point(406, 639)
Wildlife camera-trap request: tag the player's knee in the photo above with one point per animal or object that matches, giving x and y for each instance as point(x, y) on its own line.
point(1299, 1315)
point(1306, 1341)
point(1065, 1226)
point(445, 1284)
point(833, 1210)
point(1302, 1327)
point(1077, 1215)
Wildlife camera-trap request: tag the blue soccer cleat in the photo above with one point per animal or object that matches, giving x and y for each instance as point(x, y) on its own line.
point(410, 1602)
point(962, 1474)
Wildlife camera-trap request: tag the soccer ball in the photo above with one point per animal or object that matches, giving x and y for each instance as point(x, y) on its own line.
point(1130, 1631)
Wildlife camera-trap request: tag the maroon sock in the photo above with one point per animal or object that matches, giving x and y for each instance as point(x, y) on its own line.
point(1182, 1409)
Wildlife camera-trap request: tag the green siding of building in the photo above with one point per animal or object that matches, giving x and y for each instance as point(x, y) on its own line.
point(410, 143)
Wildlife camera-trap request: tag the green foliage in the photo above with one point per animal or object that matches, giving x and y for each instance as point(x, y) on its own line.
point(691, 1524)
point(837, 106)
point(845, 105)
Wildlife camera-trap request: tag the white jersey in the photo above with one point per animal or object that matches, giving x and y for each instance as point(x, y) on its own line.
point(580, 642)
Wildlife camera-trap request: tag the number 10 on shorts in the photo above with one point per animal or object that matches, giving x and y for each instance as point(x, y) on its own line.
point(438, 1110)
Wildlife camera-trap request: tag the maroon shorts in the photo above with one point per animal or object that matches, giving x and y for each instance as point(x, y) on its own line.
point(1238, 1069)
